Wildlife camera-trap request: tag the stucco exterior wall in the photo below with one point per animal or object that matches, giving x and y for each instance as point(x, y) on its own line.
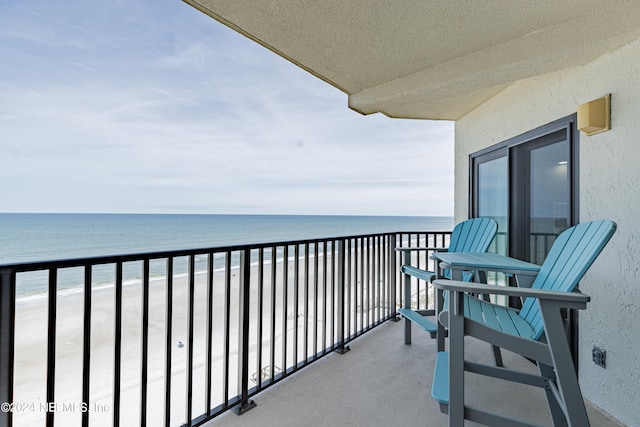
point(609, 188)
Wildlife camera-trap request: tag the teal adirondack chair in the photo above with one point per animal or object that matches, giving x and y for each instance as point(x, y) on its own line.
point(536, 331)
point(472, 235)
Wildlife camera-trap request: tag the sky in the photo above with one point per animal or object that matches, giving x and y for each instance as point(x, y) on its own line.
point(154, 107)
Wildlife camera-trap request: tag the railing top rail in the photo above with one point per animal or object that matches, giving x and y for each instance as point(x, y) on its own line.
point(175, 253)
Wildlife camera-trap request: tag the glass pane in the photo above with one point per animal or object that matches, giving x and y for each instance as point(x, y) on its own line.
point(493, 195)
point(549, 197)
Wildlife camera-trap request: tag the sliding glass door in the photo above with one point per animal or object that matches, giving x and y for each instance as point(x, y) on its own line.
point(541, 195)
point(529, 185)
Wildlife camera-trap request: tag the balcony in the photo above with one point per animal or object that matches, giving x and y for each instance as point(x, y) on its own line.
point(383, 382)
point(188, 337)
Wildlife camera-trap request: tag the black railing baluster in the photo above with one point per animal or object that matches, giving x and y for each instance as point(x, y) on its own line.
point(364, 282)
point(347, 288)
point(364, 285)
point(272, 343)
point(383, 279)
point(340, 297)
point(371, 294)
point(352, 286)
point(51, 346)
point(227, 332)
point(260, 314)
point(426, 255)
point(389, 265)
point(371, 285)
point(391, 274)
point(384, 276)
point(401, 277)
point(86, 344)
point(305, 297)
point(209, 338)
point(324, 297)
point(340, 312)
point(190, 316)
point(379, 281)
point(117, 351)
point(285, 297)
point(367, 282)
point(296, 303)
point(398, 273)
point(333, 292)
point(315, 299)
point(376, 279)
point(415, 258)
point(243, 337)
point(418, 283)
point(7, 340)
point(375, 283)
point(382, 282)
point(361, 287)
point(366, 297)
point(378, 289)
point(144, 352)
point(168, 340)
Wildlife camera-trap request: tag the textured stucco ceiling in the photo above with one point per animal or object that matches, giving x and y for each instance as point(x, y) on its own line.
point(430, 59)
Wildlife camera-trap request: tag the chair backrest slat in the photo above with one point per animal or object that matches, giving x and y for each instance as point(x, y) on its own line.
point(472, 235)
point(570, 257)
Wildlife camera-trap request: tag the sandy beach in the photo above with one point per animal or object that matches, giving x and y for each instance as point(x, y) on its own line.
point(31, 347)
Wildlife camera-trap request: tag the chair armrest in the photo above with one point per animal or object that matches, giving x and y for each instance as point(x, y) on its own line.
point(419, 273)
point(480, 288)
point(416, 248)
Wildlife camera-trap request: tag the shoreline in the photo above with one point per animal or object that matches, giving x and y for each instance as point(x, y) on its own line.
point(66, 289)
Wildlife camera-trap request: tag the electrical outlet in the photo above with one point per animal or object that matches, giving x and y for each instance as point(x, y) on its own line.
point(599, 357)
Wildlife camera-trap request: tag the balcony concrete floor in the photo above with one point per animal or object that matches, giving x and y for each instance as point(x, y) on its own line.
point(383, 382)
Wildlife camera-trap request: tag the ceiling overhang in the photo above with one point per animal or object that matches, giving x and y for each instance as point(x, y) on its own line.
point(430, 59)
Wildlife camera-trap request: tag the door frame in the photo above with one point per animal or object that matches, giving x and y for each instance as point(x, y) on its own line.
point(504, 148)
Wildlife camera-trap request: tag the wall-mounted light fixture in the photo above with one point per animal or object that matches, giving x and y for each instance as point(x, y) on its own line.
point(595, 116)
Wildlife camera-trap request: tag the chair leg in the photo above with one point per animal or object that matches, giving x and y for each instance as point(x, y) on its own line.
point(407, 299)
point(557, 416)
point(441, 333)
point(407, 331)
point(456, 359)
point(566, 378)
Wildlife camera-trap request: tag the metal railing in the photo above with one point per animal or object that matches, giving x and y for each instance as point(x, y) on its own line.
point(422, 294)
point(422, 297)
point(179, 337)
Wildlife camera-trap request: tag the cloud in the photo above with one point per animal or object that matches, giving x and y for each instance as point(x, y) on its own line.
point(156, 107)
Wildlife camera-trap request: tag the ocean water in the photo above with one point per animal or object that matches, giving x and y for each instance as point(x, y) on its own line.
point(44, 237)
